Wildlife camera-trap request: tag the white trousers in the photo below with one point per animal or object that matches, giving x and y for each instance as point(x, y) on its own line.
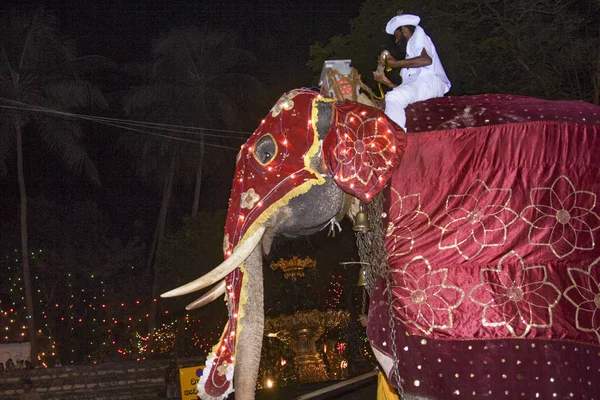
point(400, 97)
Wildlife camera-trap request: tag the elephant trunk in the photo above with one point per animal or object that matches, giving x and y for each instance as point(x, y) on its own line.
point(251, 336)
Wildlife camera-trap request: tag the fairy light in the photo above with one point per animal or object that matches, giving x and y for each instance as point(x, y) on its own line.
point(87, 311)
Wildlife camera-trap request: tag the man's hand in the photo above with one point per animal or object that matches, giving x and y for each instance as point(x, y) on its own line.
point(381, 78)
point(363, 319)
point(390, 60)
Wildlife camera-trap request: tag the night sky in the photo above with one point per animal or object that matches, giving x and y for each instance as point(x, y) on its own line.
point(279, 34)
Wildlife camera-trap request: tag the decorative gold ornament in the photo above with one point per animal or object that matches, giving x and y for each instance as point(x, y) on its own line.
point(249, 199)
point(361, 277)
point(301, 331)
point(361, 221)
point(294, 267)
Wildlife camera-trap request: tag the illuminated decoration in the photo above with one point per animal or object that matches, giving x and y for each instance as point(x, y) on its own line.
point(294, 267)
point(334, 292)
point(277, 163)
point(289, 174)
point(104, 327)
point(363, 149)
point(301, 331)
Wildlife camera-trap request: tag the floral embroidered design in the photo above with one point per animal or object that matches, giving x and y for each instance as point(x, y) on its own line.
point(515, 297)
point(285, 102)
point(561, 217)
point(222, 369)
point(249, 199)
point(364, 149)
point(476, 219)
point(409, 223)
point(422, 296)
point(584, 294)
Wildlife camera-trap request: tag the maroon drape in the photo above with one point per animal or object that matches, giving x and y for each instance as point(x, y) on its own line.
point(494, 262)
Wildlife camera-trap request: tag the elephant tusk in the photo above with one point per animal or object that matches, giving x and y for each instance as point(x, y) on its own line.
point(235, 260)
point(217, 291)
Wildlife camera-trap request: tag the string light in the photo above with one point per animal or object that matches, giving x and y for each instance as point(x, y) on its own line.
point(112, 329)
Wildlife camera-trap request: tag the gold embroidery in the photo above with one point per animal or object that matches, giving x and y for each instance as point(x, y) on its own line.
point(222, 369)
point(408, 224)
point(584, 294)
point(285, 102)
point(422, 297)
point(561, 217)
point(364, 150)
point(511, 294)
point(476, 219)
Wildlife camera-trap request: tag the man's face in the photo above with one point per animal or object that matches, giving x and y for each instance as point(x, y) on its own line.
point(402, 34)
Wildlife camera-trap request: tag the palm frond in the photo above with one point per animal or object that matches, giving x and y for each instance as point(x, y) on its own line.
point(63, 138)
point(73, 94)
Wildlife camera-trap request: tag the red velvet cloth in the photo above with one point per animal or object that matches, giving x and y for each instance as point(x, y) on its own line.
point(494, 263)
point(259, 189)
point(363, 149)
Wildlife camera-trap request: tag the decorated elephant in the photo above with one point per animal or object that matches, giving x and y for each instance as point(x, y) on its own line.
point(490, 281)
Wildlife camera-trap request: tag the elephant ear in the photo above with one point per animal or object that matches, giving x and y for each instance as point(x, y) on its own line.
point(362, 149)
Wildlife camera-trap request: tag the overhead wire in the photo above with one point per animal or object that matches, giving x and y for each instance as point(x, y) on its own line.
point(133, 125)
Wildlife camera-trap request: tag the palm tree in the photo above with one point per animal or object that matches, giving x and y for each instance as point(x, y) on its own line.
point(38, 71)
point(195, 80)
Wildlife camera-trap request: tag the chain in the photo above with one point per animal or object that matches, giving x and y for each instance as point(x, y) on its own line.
point(363, 309)
point(371, 249)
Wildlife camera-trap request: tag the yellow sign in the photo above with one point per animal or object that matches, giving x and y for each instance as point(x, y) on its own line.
point(188, 379)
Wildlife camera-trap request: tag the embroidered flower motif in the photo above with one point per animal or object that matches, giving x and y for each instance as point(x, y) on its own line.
point(409, 222)
point(561, 217)
point(476, 219)
point(365, 149)
point(222, 369)
point(584, 294)
point(422, 297)
point(285, 102)
point(249, 199)
point(515, 297)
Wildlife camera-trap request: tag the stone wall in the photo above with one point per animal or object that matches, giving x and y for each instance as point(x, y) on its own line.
point(114, 381)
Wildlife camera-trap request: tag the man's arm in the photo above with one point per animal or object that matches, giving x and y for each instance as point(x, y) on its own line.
point(417, 62)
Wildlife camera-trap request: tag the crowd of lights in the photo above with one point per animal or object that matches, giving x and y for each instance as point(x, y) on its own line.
point(334, 292)
point(117, 330)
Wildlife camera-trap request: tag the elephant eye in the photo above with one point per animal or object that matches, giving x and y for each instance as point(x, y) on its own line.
point(265, 149)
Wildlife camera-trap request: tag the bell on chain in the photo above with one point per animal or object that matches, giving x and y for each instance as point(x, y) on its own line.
point(361, 222)
point(361, 277)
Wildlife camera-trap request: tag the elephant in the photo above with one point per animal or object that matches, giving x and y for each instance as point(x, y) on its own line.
point(491, 286)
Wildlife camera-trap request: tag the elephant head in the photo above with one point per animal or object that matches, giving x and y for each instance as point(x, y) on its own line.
point(295, 174)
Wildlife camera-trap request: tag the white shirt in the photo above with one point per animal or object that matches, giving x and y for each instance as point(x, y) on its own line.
point(417, 42)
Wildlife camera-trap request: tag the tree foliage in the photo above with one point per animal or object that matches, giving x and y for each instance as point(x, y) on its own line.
point(542, 48)
point(39, 73)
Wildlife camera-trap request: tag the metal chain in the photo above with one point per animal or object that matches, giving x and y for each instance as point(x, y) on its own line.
point(371, 249)
point(363, 308)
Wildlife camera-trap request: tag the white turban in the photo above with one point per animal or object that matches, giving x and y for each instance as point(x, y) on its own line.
point(401, 20)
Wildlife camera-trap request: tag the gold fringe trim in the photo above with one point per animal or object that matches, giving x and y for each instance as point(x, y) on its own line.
point(273, 208)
